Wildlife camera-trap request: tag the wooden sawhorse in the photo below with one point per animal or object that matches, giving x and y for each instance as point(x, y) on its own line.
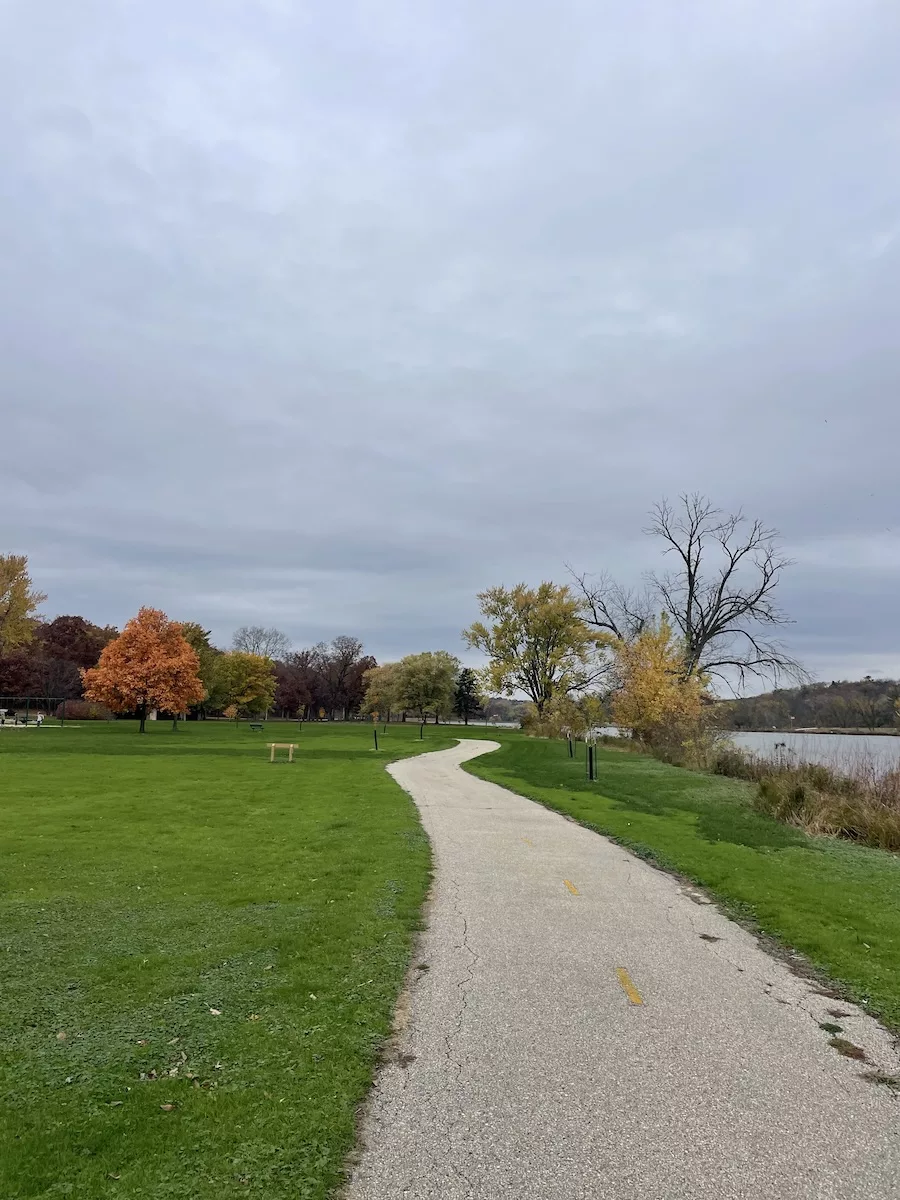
point(289, 746)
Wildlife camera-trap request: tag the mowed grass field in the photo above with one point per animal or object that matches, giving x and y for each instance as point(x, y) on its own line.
point(836, 903)
point(200, 952)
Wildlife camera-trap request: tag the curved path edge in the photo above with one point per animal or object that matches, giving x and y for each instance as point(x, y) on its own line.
point(577, 1025)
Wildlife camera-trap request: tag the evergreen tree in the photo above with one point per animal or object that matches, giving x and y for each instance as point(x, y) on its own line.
point(466, 700)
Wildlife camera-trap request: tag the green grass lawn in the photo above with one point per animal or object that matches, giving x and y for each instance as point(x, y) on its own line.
point(837, 903)
point(200, 953)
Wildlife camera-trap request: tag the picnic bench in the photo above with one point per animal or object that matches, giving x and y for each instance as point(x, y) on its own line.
point(256, 726)
point(289, 746)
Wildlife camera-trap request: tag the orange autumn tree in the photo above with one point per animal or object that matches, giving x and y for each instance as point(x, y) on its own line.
point(150, 665)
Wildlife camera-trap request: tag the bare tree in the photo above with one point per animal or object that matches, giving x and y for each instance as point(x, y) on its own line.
point(623, 612)
point(719, 594)
point(256, 639)
point(340, 666)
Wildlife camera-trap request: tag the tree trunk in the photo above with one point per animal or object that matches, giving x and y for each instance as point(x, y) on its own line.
point(143, 715)
point(465, 718)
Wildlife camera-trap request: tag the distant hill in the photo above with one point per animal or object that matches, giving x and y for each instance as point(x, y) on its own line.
point(864, 704)
point(499, 708)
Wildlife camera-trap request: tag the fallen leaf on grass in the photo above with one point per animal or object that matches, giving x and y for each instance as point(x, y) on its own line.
point(253, 1017)
point(61, 1036)
point(116, 1103)
point(174, 1042)
point(168, 1107)
point(142, 1041)
point(216, 1012)
point(110, 1175)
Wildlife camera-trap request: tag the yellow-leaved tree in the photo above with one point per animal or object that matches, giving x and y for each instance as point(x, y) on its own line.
point(654, 699)
point(19, 602)
point(247, 682)
point(382, 690)
point(537, 643)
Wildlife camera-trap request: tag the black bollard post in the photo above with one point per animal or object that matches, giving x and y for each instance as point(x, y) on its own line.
point(571, 749)
point(375, 732)
point(421, 734)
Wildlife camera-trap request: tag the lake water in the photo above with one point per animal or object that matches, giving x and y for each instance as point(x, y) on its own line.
point(840, 750)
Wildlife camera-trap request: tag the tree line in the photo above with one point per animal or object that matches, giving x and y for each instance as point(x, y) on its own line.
point(583, 652)
point(159, 665)
point(863, 704)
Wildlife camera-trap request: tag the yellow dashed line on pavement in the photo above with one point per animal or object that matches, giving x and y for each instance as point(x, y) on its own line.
point(634, 996)
point(571, 886)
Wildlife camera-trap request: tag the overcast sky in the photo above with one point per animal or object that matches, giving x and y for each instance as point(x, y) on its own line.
point(329, 314)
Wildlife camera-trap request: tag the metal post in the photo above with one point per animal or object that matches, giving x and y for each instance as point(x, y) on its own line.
point(571, 749)
point(375, 732)
point(27, 707)
point(421, 734)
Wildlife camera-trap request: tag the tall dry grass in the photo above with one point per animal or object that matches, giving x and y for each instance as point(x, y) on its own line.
point(860, 801)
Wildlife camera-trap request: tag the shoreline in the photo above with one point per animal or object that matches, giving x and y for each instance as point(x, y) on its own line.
point(845, 732)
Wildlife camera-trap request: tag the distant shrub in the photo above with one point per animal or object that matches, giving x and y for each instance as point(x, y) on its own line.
point(691, 741)
point(738, 764)
point(84, 710)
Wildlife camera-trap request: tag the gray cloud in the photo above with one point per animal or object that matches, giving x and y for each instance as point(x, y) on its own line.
point(332, 317)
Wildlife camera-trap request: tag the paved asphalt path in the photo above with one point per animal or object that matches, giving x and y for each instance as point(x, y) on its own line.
point(570, 1032)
